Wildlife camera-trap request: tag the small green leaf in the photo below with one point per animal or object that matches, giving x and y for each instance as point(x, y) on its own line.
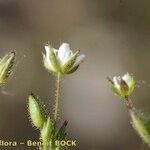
point(62, 134)
point(47, 130)
point(36, 111)
point(6, 64)
point(141, 123)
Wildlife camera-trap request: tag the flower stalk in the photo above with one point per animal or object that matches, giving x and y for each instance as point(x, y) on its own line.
point(57, 97)
point(129, 103)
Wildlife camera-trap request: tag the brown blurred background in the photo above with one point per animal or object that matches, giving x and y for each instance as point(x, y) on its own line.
point(113, 34)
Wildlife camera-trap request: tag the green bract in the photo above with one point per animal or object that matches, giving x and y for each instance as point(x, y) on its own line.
point(6, 64)
point(123, 86)
point(36, 112)
point(61, 61)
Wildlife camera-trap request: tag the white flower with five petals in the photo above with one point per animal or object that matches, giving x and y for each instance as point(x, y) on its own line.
point(63, 60)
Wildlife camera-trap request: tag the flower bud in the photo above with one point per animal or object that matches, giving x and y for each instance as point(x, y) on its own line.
point(122, 86)
point(141, 124)
point(47, 130)
point(36, 111)
point(61, 134)
point(6, 64)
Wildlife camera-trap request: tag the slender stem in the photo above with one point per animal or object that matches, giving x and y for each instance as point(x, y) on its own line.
point(57, 96)
point(129, 103)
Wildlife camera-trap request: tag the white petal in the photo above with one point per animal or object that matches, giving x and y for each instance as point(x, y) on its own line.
point(116, 80)
point(79, 60)
point(129, 80)
point(126, 78)
point(64, 52)
point(47, 49)
point(67, 57)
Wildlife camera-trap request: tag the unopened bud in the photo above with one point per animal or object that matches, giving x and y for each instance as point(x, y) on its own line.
point(122, 86)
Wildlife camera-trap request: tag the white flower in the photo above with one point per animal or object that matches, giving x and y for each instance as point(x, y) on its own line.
point(123, 86)
point(63, 60)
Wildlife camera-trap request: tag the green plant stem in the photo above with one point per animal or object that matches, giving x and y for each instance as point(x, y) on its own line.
point(57, 96)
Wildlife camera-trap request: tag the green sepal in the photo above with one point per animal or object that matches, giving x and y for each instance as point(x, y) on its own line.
point(124, 88)
point(73, 69)
point(68, 67)
point(54, 60)
point(113, 87)
point(132, 85)
point(46, 65)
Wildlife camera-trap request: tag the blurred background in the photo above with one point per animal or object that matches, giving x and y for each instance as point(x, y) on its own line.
point(114, 36)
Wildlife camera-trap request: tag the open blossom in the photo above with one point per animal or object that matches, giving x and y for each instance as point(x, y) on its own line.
point(63, 60)
point(123, 86)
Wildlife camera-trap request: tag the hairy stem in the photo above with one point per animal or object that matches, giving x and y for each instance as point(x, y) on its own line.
point(129, 103)
point(57, 96)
